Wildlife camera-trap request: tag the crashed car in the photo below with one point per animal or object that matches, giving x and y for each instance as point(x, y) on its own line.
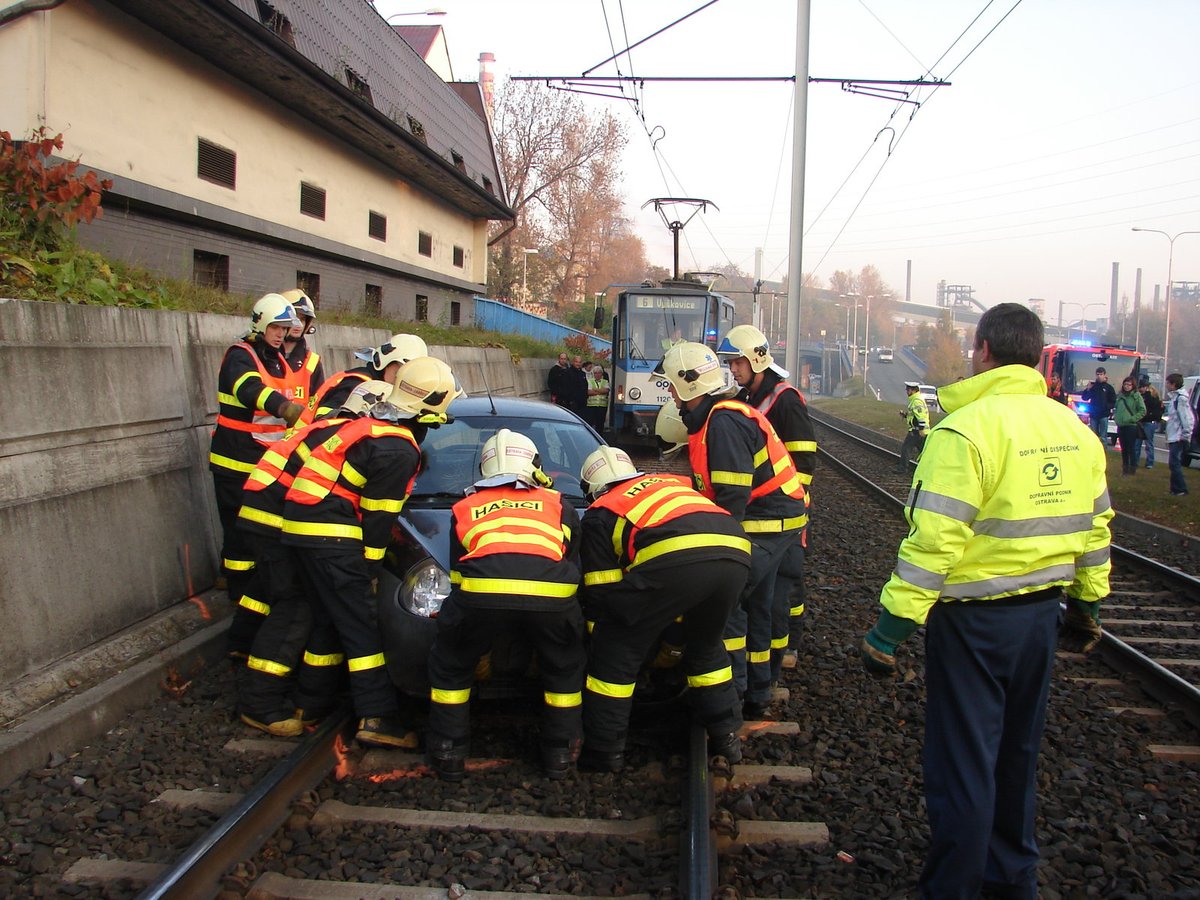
point(415, 577)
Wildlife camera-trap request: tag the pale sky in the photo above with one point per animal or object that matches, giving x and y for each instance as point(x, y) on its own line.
point(1072, 122)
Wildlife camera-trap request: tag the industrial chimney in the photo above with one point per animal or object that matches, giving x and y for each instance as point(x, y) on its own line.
point(487, 82)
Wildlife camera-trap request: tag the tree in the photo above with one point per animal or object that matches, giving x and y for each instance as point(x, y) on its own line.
point(944, 360)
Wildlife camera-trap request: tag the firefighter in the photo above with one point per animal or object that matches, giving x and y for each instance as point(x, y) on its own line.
point(255, 396)
point(655, 550)
point(916, 417)
point(381, 365)
point(741, 464)
point(764, 387)
point(339, 511)
point(296, 646)
point(300, 357)
point(514, 563)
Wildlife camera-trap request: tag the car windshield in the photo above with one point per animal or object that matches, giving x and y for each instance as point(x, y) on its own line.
point(452, 453)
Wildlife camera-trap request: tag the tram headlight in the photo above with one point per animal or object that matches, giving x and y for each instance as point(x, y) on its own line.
point(635, 393)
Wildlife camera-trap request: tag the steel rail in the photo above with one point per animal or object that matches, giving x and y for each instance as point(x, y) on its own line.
point(242, 831)
point(698, 854)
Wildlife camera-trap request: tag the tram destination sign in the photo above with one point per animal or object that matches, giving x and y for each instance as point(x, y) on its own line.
point(686, 303)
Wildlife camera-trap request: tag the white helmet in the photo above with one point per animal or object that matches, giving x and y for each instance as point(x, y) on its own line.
point(272, 309)
point(605, 466)
point(399, 348)
point(424, 388)
point(512, 453)
point(303, 306)
point(370, 398)
point(670, 428)
point(693, 370)
point(747, 341)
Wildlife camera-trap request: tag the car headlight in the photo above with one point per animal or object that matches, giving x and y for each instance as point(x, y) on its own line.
point(426, 586)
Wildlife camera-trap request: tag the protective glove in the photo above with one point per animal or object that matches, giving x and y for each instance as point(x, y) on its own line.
point(668, 656)
point(290, 412)
point(878, 650)
point(1081, 630)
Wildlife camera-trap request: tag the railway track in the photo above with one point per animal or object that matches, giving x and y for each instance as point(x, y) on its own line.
point(1151, 619)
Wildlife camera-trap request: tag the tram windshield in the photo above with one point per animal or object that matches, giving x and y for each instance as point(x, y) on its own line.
point(655, 323)
point(1078, 367)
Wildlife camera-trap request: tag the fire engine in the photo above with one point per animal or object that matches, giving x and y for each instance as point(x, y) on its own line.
point(1075, 364)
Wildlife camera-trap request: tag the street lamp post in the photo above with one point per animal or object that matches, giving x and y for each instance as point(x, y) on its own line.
point(525, 271)
point(424, 12)
point(1083, 308)
point(1170, 262)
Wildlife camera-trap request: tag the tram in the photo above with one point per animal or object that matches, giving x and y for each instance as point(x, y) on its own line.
point(1076, 363)
point(647, 320)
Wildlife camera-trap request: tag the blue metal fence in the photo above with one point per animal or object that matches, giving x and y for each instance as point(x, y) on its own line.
point(495, 316)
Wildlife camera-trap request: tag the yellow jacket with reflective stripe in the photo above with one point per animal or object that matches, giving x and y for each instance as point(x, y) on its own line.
point(917, 415)
point(1009, 497)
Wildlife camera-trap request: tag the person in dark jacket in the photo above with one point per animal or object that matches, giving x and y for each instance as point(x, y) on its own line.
point(1101, 399)
point(1151, 421)
point(514, 563)
point(655, 550)
point(558, 382)
point(763, 386)
point(577, 387)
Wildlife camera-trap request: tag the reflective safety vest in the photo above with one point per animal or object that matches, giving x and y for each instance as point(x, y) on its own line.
point(773, 467)
point(260, 424)
point(267, 486)
point(500, 529)
point(645, 507)
point(596, 384)
point(313, 407)
point(918, 413)
point(327, 473)
point(1010, 497)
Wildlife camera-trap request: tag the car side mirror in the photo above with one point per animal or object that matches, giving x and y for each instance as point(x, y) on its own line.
point(598, 318)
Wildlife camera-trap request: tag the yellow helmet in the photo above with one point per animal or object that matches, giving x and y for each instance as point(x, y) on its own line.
point(303, 306)
point(693, 370)
point(512, 453)
point(424, 388)
point(368, 398)
point(747, 341)
point(670, 428)
point(605, 466)
point(272, 309)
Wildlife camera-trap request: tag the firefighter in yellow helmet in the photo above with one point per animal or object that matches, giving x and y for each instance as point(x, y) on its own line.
point(514, 564)
point(339, 512)
point(739, 462)
point(654, 549)
point(1010, 509)
point(301, 358)
point(255, 406)
point(380, 363)
point(764, 386)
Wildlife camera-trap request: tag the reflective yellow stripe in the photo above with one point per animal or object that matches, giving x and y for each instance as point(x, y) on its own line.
point(253, 605)
point(258, 476)
point(450, 698)
point(318, 529)
point(322, 468)
point(796, 611)
point(237, 384)
point(226, 462)
point(374, 554)
point(735, 643)
point(801, 446)
point(238, 565)
point(362, 663)
point(266, 665)
point(805, 478)
point(690, 502)
point(517, 586)
point(260, 402)
point(229, 400)
point(323, 659)
point(563, 701)
point(554, 545)
point(372, 505)
point(759, 526)
point(618, 537)
point(455, 577)
point(708, 679)
point(353, 476)
point(608, 689)
point(761, 457)
point(671, 491)
point(263, 518)
point(759, 656)
point(603, 576)
point(778, 643)
point(739, 478)
point(274, 458)
point(690, 542)
point(501, 522)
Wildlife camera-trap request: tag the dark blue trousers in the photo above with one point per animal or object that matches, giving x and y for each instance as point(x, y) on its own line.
point(988, 667)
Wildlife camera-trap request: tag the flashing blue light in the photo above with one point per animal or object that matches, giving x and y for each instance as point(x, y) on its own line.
point(1082, 344)
point(710, 333)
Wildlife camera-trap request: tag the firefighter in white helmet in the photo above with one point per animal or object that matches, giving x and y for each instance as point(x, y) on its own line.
point(764, 386)
point(739, 462)
point(655, 550)
point(255, 406)
point(301, 358)
point(339, 512)
point(514, 564)
point(381, 364)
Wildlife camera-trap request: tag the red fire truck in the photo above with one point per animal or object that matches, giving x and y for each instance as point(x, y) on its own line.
point(1075, 364)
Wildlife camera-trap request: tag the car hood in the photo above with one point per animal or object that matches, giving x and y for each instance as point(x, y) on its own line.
point(430, 528)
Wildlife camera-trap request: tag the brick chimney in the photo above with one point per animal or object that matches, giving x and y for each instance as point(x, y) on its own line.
point(486, 82)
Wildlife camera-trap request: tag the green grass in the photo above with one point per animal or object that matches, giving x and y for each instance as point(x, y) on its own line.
point(1145, 495)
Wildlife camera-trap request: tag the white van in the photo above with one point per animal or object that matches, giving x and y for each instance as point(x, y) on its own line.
point(929, 394)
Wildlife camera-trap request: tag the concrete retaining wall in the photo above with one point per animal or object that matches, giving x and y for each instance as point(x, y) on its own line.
point(106, 507)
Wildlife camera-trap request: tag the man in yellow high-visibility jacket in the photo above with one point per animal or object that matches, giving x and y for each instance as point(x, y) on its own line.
point(1009, 506)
